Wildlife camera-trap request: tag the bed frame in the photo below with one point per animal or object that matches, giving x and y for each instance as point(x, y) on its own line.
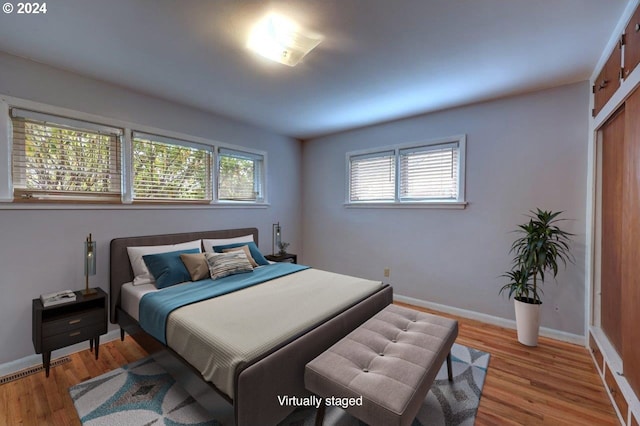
point(278, 372)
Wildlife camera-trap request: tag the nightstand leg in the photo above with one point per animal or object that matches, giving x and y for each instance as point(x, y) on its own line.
point(90, 345)
point(46, 360)
point(97, 345)
point(121, 334)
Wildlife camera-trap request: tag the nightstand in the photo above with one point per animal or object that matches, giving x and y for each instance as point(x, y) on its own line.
point(287, 257)
point(58, 326)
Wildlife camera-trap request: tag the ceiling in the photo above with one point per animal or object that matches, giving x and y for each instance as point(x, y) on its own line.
point(381, 59)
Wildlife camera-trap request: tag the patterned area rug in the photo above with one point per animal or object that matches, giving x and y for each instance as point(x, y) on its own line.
point(143, 393)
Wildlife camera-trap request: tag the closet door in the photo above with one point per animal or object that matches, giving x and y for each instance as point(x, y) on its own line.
point(613, 144)
point(631, 245)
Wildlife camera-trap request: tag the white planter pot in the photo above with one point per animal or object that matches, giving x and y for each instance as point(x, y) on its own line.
point(527, 322)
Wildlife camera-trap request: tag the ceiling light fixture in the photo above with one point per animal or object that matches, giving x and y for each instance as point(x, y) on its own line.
point(282, 40)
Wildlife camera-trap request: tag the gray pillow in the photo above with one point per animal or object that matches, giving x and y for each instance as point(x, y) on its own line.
point(224, 264)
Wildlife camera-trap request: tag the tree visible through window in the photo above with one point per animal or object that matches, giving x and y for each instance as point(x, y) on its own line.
point(59, 158)
point(239, 175)
point(57, 161)
point(165, 172)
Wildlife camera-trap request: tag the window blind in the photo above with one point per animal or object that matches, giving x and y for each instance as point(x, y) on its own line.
point(239, 175)
point(166, 169)
point(55, 158)
point(429, 172)
point(372, 177)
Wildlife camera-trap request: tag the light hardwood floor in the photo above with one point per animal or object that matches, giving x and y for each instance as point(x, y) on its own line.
point(553, 384)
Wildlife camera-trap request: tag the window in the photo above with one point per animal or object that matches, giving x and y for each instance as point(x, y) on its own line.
point(373, 177)
point(429, 173)
point(167, 169)
point(58, 155)
point(240, 176)
point(56, 158)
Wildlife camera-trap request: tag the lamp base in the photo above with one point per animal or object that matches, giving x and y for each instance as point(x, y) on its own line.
point(89, 291)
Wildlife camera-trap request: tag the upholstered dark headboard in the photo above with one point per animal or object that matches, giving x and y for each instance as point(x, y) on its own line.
point(120, 271)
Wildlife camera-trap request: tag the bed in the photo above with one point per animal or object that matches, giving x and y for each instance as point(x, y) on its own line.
point(275, 370)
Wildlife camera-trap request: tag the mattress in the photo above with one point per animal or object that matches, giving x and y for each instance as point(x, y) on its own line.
point(130, 297)
point(218, 335)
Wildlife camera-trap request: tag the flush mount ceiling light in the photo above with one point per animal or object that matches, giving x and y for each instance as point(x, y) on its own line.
point(279, 39)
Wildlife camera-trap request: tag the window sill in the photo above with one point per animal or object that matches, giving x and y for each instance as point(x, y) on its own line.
point(455, 205)
point(67, 206)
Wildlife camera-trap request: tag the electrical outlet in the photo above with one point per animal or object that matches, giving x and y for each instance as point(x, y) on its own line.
point(387, 272)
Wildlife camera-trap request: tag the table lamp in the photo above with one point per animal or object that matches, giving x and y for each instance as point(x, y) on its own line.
point(89, 264)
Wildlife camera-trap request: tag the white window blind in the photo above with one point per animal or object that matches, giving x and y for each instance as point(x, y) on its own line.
point(166, 169)
point(240, 176)
point(429, 172)
point(57, 158)
point(372, 177)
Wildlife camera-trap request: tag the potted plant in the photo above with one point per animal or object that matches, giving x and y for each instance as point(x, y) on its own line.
point(283, 248)
point(538, 249)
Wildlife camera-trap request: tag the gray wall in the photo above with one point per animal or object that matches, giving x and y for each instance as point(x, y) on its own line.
point(41, 250)
point(522, 152)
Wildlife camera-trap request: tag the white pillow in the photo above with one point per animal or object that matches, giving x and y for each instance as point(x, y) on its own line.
point(209, 244)
point(140, 272)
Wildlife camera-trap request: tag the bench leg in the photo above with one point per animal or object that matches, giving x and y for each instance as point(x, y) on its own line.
point(449, 371)
point(320, 414)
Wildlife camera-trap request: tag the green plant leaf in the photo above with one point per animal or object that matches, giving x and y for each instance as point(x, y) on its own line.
point(536, 251)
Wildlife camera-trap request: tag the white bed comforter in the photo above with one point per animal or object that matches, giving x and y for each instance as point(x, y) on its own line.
point(218, 334)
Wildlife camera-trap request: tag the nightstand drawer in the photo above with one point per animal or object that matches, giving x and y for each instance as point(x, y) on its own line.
point(57, 326)
point(69, 337)
point(72, 322)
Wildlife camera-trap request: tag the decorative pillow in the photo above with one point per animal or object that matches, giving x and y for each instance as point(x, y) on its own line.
point(140, 271)
point(208, 244)
point(167, 268)
point(196, 264)
point(246, 251)
point(225, 264)
point(253, 248)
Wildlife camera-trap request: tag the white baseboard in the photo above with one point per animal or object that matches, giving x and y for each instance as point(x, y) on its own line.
point(490, 319)
point(33, 360)
point(614, 364)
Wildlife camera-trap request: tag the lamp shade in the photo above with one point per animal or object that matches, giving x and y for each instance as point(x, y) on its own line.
point(89, 264)
point(89, 257)
point(277, 237)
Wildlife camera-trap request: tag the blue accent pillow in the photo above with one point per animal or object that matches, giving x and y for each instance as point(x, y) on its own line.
point(167, 268)
point(253, 249)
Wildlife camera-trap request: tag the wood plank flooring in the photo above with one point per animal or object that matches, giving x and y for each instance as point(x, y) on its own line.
point(553, 384)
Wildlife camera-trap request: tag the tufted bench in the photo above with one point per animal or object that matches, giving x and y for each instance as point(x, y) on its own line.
point(390, 361)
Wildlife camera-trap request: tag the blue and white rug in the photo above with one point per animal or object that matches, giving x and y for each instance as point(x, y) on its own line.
point(143, 393)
